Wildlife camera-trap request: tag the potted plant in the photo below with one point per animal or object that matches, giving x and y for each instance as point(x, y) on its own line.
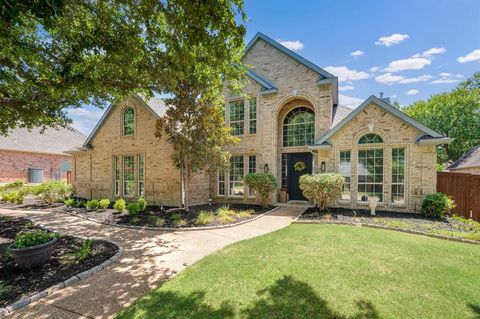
point(33, 248)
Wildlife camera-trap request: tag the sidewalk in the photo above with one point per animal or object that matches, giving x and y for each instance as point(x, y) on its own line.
point(149, 258)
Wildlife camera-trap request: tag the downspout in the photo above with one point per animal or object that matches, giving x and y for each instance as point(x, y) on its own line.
point(91, 190)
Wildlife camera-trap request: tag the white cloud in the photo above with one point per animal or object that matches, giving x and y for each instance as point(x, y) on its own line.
point(407, 64)
point(412, 92)
point(85, 119)
point(392, 39)
point(346, 88)
point(389, 78)
point(444, 81)
point(472, 56)
point(374, 69)
point(357, 53)
point(446, 78)
point(349, 101)
point(345, 74)
point(430, 52)
point(292, 45)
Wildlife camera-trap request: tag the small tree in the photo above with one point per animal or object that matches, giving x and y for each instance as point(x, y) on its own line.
point(323, 188)
point(263, 184)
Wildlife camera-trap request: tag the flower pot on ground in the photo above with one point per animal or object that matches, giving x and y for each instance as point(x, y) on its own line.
point(33, 249)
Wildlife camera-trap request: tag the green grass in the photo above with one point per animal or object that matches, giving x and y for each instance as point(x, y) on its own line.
point(324, 271)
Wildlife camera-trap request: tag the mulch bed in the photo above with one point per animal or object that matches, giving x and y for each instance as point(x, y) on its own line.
point(27, 282)
point(152, 213)
point(413, 221)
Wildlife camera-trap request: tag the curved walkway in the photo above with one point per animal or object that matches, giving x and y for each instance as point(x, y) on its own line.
point(149, 258)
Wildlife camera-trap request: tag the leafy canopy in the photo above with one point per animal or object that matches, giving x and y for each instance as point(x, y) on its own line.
point(61, 54)
point(454, 114)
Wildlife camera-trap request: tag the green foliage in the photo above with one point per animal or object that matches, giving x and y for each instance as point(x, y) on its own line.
point(454, 114)
point(175, 216)
point(15, 197)
point(323, 188)
point(92, 204)
point(245, 213)
point(134, 220)
point(119, 205)
point(104, 203)
point(225, 215)
point(32, 238)
point(54, 191)
point(263, 184)
point(440, 167)
point(11, 186)
point(155, 220)
point(81, 203)
point(437, 205)
point(82, 253)
point(177, 220)
point(204, 217)
point(4, 290)
point(133, 209)
point(142, 204)
point(69, 202)
point(80, 54)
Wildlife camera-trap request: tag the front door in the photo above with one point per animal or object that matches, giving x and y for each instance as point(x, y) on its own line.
point(298, 164)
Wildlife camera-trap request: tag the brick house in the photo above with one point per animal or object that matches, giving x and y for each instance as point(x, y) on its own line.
point(289, 123)
point(36, 157)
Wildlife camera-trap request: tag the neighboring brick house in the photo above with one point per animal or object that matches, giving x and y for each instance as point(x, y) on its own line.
point(289, 123)
point(468, 163)
point(36, 157)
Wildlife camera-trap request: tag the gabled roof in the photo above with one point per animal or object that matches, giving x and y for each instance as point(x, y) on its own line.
point(469, 159)
point(290, 53)
point(267, 86)
point(387, 107)
point(53, 141)
point(154, 105)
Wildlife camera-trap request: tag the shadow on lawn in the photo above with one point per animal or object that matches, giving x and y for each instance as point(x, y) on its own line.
point(287, 298)
point(475, 310)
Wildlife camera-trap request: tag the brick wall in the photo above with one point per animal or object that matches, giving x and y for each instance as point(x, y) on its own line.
point(14, 165)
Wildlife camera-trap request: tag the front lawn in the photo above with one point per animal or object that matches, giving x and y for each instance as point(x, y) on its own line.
point(325, 271)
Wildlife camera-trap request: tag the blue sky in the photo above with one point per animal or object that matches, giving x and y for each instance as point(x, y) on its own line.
point(407, 49)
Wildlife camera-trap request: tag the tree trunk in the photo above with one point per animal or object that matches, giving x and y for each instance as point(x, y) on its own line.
point(185, 183)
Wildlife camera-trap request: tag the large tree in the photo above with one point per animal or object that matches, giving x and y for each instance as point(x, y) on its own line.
point(60, 54)
point(455, 114)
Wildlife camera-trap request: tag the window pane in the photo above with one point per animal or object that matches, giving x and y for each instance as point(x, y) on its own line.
point(346, 171)
point(237, 116)
point(236, 176)
point(284, 170)
point(253, 116)
point(370, 138)
point(141, 175)
point(128, 176)
point(129, 121)
point(221, 183)
point(299, 127)
point(398, 175)
point(370, 175)
point(252, 168)
point(116, 173)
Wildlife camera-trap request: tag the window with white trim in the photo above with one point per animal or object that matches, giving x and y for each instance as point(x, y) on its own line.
point(236, 185)
point(141, 175)
point(117, 163)
point(345, 169)
point(252, 125)
point(221, 183)
point(252, 168)
point(237, 117)
point(128, 121)
point(370, 175)
point(398, 176)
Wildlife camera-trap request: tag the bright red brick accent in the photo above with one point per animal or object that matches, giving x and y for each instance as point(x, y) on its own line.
point(15, 165)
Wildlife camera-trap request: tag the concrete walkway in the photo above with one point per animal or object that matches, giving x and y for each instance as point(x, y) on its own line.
point(149, 258)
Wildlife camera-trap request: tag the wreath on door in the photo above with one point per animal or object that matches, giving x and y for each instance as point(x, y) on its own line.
point(300, 166)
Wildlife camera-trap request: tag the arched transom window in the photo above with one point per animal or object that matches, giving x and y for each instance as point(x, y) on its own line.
point(128, 121)
point(299, 127)
point(370, 138)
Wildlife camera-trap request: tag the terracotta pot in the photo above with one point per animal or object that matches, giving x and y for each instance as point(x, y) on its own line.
point(35, 256)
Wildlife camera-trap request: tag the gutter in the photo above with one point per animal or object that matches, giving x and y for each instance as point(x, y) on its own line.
point(435, 141)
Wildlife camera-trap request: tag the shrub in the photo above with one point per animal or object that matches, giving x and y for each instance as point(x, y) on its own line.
point(177, 220)
point(32, 238)
point(155, 220)
point(225, 215)
point(69, 202)
point(92, 204)
point(104, 203)
point(245, 213)
point(82, 253)
point(437, 205)
point(175, 216)
point(119, 205)
point(204, 217)
point(134, 220)
point(323, 188)
point(133, 209)
point(55, 191)
point(11, 186)
point(15, 197)
point(142, 204)
point(81, 203)
point(4, 290)
point(263, 184)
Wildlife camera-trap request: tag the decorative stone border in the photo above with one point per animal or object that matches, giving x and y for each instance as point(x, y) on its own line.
point(403, 230)
point(173, 228)
point(24, 301)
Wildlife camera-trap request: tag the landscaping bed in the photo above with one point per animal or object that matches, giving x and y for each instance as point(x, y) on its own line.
point(175, 217)
point(451, 226)
point(64, 263)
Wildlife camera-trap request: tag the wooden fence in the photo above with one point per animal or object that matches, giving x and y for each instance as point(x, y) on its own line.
point(465, 190)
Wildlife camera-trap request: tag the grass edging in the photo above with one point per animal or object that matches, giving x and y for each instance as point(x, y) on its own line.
point(24, 301)
point(403, 230)
point(172, 228)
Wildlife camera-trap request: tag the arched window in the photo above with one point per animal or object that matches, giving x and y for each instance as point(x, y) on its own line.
point(299, 127)
point(370, 138)
point(129, 121)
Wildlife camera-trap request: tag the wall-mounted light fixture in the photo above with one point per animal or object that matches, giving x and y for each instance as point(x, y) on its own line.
point(265, 168)
point(322, 167)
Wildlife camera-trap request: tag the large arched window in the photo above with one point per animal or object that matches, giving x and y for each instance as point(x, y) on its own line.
point(370, 138)
point(128, 121)
point(299, 127)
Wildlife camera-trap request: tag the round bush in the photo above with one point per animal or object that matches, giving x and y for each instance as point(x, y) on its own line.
point(437, 205)
point(263, 184)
